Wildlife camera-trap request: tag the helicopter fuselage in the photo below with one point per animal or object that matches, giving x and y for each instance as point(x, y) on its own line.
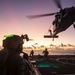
point(66, 20)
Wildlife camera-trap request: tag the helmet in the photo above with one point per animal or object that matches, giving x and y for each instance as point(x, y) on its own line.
point(12, 42)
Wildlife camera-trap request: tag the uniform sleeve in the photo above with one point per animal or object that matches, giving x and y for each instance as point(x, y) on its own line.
point(22, 68)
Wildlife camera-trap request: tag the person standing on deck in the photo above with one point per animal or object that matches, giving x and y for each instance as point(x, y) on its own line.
point(32, 53)
point(45, 52)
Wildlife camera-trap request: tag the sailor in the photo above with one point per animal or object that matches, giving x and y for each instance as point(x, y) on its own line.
point(45, 52)
point(57, 21)
point(15, 64)
point(32, 53)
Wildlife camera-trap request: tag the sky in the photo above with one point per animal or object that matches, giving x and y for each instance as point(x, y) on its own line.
point(13, 20)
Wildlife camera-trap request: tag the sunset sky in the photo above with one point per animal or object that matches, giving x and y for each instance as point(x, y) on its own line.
point(13, 20)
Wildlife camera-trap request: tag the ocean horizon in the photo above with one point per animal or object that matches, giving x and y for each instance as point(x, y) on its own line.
point(52, 52)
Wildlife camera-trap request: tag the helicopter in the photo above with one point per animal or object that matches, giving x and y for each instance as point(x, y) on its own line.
point(63, 19)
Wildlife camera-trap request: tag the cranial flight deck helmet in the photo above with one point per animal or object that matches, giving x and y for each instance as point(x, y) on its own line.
point(12, 41)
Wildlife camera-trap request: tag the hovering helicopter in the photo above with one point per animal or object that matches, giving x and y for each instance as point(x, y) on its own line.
point(63, 19)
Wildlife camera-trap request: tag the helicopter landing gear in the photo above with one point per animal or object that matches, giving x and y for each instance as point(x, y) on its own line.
point(50, 36)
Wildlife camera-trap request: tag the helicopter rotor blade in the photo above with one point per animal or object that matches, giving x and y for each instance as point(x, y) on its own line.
point(58, 4)
point(38, 16)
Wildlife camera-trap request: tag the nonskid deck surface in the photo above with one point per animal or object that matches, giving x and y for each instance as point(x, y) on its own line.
point(55, 67)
